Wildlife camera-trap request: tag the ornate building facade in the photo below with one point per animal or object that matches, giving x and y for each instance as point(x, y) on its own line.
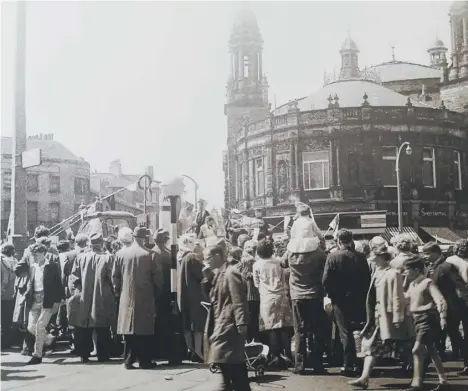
point(336, 149)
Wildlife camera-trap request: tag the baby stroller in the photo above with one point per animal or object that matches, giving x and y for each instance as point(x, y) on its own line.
point(256, 355)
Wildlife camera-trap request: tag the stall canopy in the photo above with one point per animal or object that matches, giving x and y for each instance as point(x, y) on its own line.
point(442, 235)
point(390, 232)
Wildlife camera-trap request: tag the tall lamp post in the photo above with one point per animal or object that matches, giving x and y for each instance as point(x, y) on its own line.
point(196, 190)
point(173, 189)
point(397, 170)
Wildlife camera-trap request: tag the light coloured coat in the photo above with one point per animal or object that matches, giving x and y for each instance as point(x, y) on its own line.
point(270, 279)
point(393, 307)
point(91, 281)
point(137, 279)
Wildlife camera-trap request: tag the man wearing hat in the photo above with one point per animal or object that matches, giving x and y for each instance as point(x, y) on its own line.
point(91, 281)
point(137, 279)
point(202, 214)
point(162, 326)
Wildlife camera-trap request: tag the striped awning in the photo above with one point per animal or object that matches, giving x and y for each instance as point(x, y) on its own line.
point(390, 232)
point(442, 235)
point(360, 231)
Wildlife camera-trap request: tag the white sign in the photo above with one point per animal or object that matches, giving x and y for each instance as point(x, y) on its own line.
point(373, 221)
point(31, 158)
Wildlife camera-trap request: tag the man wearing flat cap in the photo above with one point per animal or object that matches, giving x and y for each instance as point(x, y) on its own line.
point(90, 280)
point(162, 326)
point(137, 279)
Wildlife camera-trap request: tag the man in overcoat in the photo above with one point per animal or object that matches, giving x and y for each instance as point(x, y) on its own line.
point(346, 280)
point(137, 279)
point(91, 280)
point(226, 327)
point(162, 325)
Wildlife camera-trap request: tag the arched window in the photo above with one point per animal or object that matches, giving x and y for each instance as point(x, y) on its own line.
point(246, 66)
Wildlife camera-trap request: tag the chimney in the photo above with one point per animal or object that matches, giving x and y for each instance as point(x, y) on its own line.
point(115, 168)
point(150, 171)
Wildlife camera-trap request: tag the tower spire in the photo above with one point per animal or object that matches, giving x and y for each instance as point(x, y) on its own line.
point(246, 46)
point(349, 59)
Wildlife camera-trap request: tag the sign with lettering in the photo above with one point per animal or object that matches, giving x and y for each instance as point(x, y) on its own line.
point(392, 213)
point(434, 214)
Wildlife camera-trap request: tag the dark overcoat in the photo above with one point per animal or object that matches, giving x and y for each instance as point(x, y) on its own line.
point(229, 309)
point(190, 293)
point(137, 279)
point(91, 279)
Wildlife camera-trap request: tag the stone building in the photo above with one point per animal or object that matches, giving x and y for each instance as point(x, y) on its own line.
point(55, 189)
point(131, 197)
point(454, 91)
point(336, 149)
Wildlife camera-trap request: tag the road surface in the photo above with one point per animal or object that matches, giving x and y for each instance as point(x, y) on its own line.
point(62, 372)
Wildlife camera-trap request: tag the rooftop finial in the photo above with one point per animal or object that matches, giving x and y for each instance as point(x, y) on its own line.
point(393, 53)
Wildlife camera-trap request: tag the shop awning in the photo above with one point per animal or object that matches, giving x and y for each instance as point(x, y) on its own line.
point(390, 232)
point(361, 231)
point(442, 235)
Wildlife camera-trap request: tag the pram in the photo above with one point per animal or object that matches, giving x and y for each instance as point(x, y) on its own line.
point(256, 355)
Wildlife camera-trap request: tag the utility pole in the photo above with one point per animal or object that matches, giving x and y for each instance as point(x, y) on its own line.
point(18, 228)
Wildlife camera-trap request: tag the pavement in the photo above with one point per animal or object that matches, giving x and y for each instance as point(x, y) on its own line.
point(62, 372)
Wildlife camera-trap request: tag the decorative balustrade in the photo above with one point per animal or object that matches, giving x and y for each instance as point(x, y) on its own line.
point(385, 114)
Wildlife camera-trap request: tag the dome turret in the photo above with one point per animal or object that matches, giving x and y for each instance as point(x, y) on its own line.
point(349, 45)
point(437, 53)
point(349, 59)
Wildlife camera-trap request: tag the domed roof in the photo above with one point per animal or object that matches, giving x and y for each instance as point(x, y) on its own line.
point(349, 44)
point(438, 43)
point(350, 94)
point(399, 70)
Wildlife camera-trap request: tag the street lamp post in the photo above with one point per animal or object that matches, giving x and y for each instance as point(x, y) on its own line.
point(397, 170)
point(196, 190)
point(173, 189)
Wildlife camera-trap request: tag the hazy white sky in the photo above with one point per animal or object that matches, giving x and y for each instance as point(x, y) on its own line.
point(145, 81)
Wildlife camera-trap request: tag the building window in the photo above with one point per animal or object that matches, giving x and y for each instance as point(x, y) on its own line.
point(316, 167)
point(6, 175)
point(33, 215)
point(259, 177)
point(54, 185)
point(429, 169)
point(389, 155)
point(54, 211)
point(81, 186)
point(33, 182)
point(458, 175)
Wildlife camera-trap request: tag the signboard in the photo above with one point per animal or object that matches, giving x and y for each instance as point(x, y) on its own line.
point(374, 221)
point(31, 158)
point(434, 214)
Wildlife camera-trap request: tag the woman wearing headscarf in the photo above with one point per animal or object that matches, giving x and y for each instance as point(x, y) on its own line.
point(253, 297)
point(388, 324)
point(190, 295)
point(275, 308)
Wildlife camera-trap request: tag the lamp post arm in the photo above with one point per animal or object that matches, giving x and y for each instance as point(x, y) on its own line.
point(196, 189)
point(397, 170)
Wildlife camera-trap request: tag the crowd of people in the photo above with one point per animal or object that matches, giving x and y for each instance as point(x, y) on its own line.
point(385, 300)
